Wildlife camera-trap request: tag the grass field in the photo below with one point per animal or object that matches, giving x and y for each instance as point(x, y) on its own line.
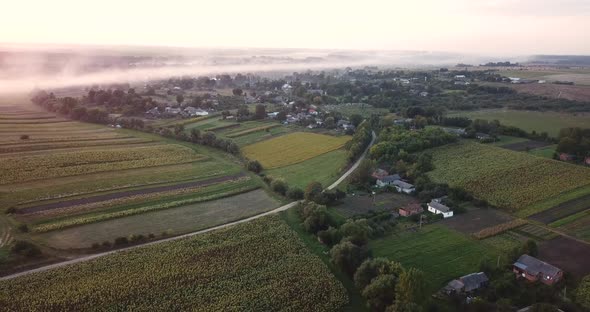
point(441, 253)
point(505, 178)
point(179, 220)
point(550, 122)
point(324, 169)
point(545, 152)
point(255, 266)
point(292, 148)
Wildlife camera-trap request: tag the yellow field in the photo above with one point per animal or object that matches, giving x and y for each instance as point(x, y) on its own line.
point(292, 148)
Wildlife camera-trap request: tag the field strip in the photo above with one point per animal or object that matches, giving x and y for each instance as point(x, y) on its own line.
point(98, 255)
point(72, 140)
point(111, 196)
point(562, 210)
point(252, 130)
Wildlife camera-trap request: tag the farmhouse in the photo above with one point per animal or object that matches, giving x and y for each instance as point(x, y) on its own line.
point(403, 187)
point(388, 180)
point(466, 284)
point(482, 136)
point(455, 131)
point(534, 270)
point(410, 210)
point(191, 111)
point(436, 207)
point(566, 157)
point(172, 111)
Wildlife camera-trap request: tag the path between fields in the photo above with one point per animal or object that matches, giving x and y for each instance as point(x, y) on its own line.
point(356, 164)
point(276, 210)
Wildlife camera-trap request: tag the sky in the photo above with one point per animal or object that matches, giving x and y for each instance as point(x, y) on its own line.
point(491, 27)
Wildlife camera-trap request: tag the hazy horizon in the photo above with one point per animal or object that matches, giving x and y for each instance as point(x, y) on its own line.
point(498, 27)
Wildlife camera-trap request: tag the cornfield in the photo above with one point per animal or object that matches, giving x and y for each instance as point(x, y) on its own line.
point(256, 266)
point(292, 148)
point(16, 169)
point(498, 229)
point(506, 179)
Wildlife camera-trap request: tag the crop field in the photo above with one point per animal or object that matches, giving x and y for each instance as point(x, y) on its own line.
point(442, 254)
point(176, 220)
point(292, 148)
point(324, 169)
point(550, 122)
point(66, 174)
point(577, 225)
point(246, 267)
point(565, 253)
point(563, 210)
point(535, 232)
point(15, 169)
point(505, 178)
point(475, 220)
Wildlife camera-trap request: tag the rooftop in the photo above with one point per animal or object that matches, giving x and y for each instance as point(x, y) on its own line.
point(438, 206)
point(535, 266)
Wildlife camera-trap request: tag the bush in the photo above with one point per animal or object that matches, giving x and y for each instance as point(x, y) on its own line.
point(24, 137)
point(151, 236)
point(279, 186)
point(106, 244)
point(330, 237)
point(136, 238)
point(95, 246)
point(254, 166)
point(312, 190)
point(25, 248)
point(11, 210)
point(23, 228)
point(121, 241)
point(295, 193)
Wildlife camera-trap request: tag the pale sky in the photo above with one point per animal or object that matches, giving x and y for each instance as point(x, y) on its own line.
point(489, 27)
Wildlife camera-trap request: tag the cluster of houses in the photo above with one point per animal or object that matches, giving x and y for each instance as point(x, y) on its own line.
point(572, 157)
point(461, 132)
point(384, 179)
point(526, 267)
point(169, 111)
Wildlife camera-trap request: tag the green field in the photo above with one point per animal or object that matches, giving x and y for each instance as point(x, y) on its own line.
point(505, 139)
point(325, 169)
point(545, 152)
point(577, 225)
point(504, 178)
point(550, 122)
point(256, 266)
point(183, 219)
point(441, 253)
point(68, 160)
point(242, 133)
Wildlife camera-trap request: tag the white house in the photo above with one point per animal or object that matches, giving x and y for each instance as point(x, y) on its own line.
point(387, 180)
point(403, 187)
point(438, 208)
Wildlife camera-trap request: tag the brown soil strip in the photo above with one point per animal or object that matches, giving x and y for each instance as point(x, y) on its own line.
point(562, 210)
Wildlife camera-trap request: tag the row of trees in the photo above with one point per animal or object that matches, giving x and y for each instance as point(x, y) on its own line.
point(575, 141)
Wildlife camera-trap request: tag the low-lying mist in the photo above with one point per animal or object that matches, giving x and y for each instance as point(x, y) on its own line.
point(22, 70)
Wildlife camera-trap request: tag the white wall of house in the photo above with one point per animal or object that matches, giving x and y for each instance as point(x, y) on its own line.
point(436, 211)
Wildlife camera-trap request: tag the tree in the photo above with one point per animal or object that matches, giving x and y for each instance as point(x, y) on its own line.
point(330, 237)
point(583, 292)
point(330, 123)
point(180, 99)
point(356, 119)
point(411, 286)
point(243, 111)
point(295, 193)
point(260, 112)
point(237, 92)
point(372, 268)
point(26, 249)
point(530, 248)
point(254, 166)
point(313, 190)
point(362, 175)
point(356, 231)
point(316, 218)
point(380, 293)
point(279, 186)
point(195, 135)
point(348, 256)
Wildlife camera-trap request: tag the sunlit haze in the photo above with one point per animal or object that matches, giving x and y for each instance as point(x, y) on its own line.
point(499, 27)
